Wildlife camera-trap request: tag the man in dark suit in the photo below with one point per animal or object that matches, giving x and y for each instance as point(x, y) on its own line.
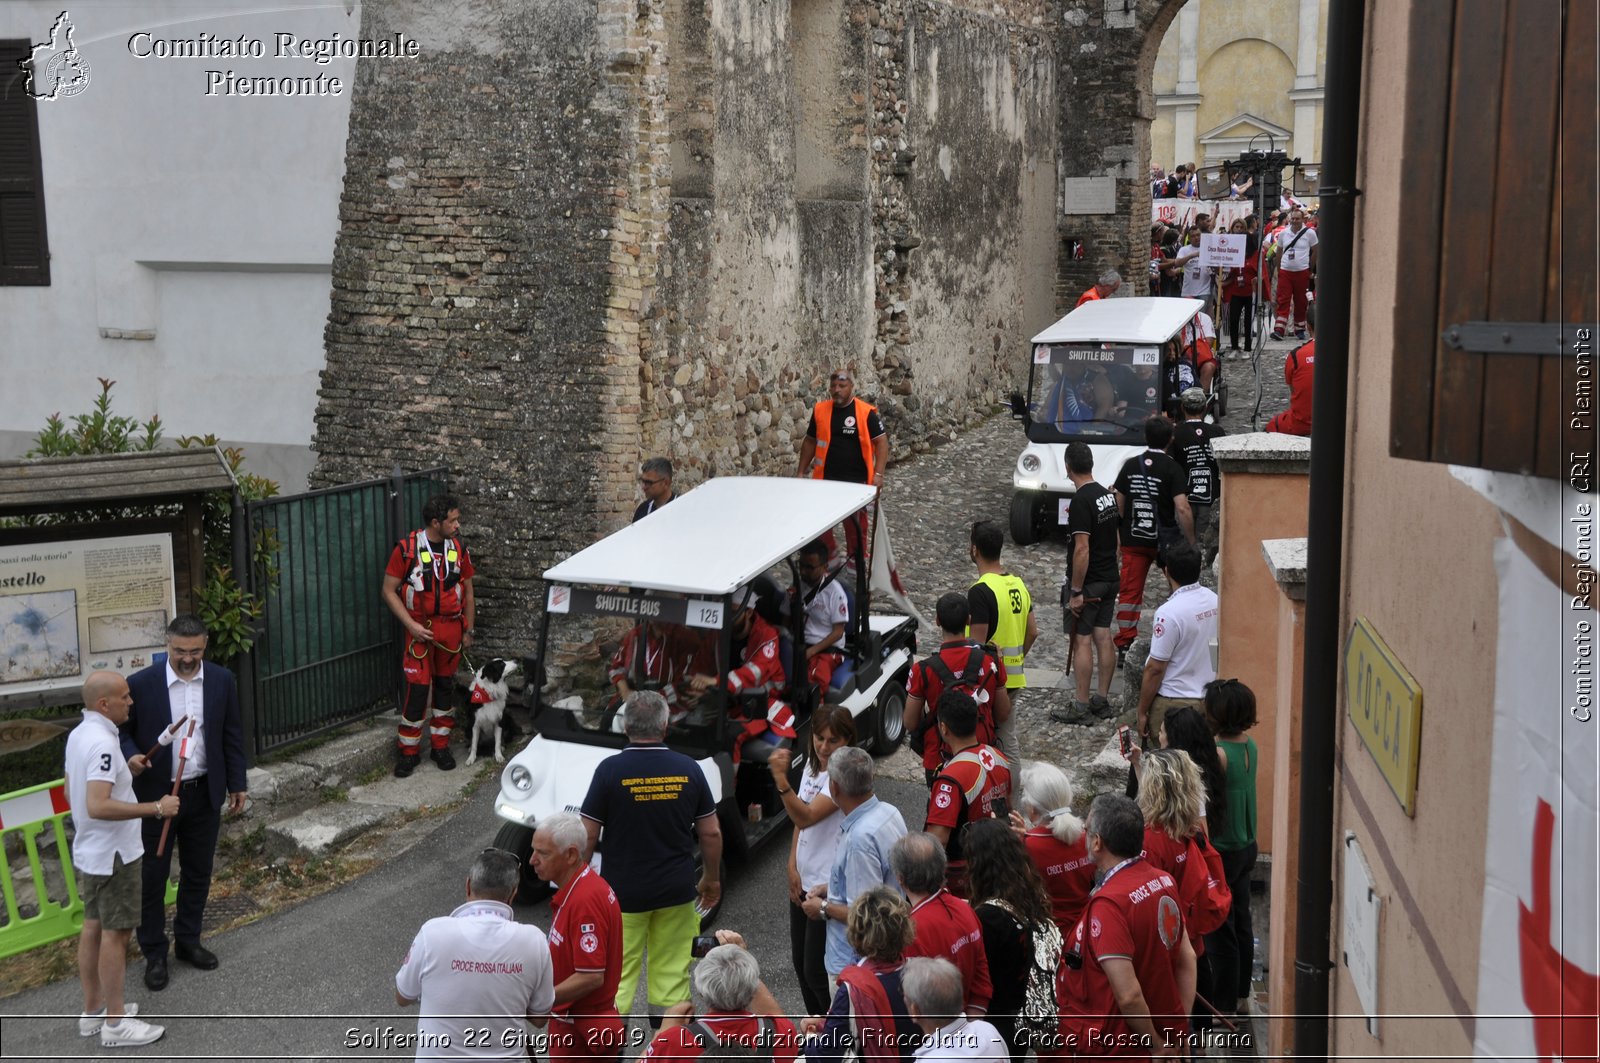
point(181, 687)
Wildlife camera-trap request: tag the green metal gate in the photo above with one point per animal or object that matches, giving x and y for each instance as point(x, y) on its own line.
point(328, 651)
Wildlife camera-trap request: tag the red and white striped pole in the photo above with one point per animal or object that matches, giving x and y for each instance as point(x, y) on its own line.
point(177, 781)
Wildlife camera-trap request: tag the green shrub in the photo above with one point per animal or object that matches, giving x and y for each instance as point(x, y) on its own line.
point(227, 609)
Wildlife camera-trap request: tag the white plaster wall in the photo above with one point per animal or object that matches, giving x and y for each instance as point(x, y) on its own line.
point(208, 220)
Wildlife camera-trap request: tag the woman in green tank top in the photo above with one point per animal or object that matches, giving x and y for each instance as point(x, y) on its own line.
point(1230, 709)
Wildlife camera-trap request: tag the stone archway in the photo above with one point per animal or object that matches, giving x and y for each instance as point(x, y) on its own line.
point(1105, 118)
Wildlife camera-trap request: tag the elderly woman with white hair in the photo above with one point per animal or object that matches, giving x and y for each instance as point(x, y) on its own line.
point(732, 1007)
point(1054, 838)
point(934, 992)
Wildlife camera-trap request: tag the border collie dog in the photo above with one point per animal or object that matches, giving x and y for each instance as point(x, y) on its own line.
point(489, 690)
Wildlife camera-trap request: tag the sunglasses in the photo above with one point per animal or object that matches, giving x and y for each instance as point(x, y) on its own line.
point(647, 482)
point(842, 378)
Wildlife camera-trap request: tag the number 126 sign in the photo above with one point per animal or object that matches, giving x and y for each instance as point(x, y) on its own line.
point(1385, 705)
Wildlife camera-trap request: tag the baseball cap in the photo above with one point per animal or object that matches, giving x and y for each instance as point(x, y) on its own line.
point(1193, 400)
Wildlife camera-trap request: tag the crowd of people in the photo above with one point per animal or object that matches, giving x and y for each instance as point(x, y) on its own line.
point(1278, 271)
point(1124, 934)
point(1004, 924)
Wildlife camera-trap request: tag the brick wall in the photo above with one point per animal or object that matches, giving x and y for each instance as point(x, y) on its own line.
point(472, 321)
point(1107, 56)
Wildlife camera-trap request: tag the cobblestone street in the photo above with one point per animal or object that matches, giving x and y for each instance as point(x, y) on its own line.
point(931, 501)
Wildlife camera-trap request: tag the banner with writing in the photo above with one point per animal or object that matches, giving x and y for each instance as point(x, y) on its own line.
point(1182, 212)
point(71, 608)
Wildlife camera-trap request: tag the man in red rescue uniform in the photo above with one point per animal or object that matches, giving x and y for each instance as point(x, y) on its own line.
point(427, 585)
point(1299, 372)
point(760, 671)
point(845, 441)
point(974, 784)
point(1126, 983)
point(585, 944)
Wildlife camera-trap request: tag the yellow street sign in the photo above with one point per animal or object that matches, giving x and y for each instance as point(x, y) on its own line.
point(1385, 704)
point(17, 735)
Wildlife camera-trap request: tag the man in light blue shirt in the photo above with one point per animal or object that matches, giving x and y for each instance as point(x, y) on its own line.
point(870, 829)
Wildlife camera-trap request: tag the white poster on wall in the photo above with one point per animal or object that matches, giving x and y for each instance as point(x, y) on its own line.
point(1537, 956)
point(71, 608)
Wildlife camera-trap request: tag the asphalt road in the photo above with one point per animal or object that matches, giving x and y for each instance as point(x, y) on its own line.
point(312, 982)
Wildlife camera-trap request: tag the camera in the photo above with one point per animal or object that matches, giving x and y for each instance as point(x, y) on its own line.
point(703, 943)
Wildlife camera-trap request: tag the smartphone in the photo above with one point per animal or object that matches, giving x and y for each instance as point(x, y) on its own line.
point(1125, 741)
point(703, 943)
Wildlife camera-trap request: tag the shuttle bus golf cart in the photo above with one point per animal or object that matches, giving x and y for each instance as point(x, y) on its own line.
point(1109, 355)
point(679, 570)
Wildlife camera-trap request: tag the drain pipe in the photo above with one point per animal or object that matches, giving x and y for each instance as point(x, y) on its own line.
point(1320, 690)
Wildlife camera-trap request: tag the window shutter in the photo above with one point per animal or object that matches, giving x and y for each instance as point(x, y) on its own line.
point(24, 252)
point(1496, 208)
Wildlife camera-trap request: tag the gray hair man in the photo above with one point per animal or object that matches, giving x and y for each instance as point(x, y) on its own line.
point(933, 992)
point(1104, 288)
point(735, 1011)
point(585, 943)
point(479, 969)
point(655, 808)
point(947, 927)
point(861, 861)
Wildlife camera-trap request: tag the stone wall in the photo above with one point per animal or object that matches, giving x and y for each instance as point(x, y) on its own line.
point(1107, 55)
point(817, 227)
point(981, 198)
point(578, 234)
point(474, 317)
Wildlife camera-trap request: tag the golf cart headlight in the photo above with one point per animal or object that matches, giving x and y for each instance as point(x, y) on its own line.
point(521, 778)
point(1029, 463)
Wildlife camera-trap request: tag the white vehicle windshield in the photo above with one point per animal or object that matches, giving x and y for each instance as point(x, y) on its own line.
point(1100, 393)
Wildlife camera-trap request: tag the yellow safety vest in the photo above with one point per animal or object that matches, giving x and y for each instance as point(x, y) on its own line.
point(1011, 628)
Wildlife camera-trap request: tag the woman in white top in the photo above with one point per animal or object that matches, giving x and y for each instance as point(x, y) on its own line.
point(817, 823)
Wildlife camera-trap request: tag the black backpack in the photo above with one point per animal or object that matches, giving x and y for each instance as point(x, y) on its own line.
point(971, 678)
point(970, 681)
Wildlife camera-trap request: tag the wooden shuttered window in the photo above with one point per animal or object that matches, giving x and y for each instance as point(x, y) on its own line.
point(24, 252)
point(1497, 225)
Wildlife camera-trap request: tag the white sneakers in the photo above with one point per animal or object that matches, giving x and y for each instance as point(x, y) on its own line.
point(89, 1025)
point(128, 1032)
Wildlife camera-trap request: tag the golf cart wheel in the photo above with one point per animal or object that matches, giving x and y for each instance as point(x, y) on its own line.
point(531, 889)
point(888, 720)
point(1025, 518)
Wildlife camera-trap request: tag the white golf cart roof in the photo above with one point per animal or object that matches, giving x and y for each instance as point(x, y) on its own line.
point(1136, 320)
point(711, 540)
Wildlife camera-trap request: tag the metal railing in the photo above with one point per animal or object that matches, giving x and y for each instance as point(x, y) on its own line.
point(327, 652)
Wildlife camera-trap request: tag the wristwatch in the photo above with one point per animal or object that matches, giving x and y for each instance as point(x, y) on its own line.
point(1077, 592)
